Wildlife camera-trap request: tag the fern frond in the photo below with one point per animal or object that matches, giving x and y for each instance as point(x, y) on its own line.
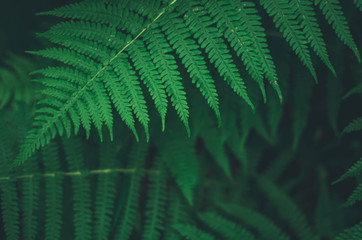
point(248, 16)
point(9, 196)
point(156, 204)
point(311, 29)
point(166, 64)
point(193, 233)
point(353, 171)
point(358, 3)
point(54, 193)
point(105, 193)
point(178, 154)
point(176, 213)
point(210, 39)
point(265, 227)
point(142, 62)
point(187, 48)
point(15, 84)
point(356, 196)
point(287, 209)
point(352, 233)
point(226, 19)
point(47, 124)
point(357, 89)
point(134, 93)
point(215, 145)
point(225, 227)
point(30, 200)
point(137, 157)
point(10, 210)
point(95, 11)
point(355, 125)
point(284, 19)
point(81, 189)
point(334, 15)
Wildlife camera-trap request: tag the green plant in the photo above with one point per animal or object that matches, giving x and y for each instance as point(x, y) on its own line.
point(243, 170)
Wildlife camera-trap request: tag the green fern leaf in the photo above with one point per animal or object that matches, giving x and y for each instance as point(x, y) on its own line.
point(226, 19)
point(353, 233)
point(357, 89)
point(287, 209)
point(156, 204)
point(283, 17)
point(125, 226)
point(15, 84)
point(193, 233)
point(215, 145)
point(133, 91)
point(10, 210)
point(355, 125)
point(334, 15)
point(248, 16)
point(179, 36)
point(176, 213)
point(9, 196)
point(105, 193)
point(265, 227)
point(147, 70)
point(54, 193)
point(353, 171)
point(358, 3)
point(356, 196)
point(30, 200)
point(167, 67)
point(81, 189)
point(210, 39)
point(178, 154)
point(311, 29)
point(225, 227)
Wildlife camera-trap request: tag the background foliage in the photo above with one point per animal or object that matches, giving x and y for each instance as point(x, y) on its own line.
point(253, 167)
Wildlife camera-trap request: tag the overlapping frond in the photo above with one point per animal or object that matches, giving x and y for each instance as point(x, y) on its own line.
point(355, 125)
point(109, 52)
point(287, 209)
point(9, 197)
point(265, 227)
point(193, 233)
point(225, 227)
point(334, 15)
point(352, 233)
point(358, 4)
point(54, 193)
point(126, 225)
point(156, 204)
point(81, 189)
point(307, 19)
point(105, 193)
point(284, 19)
